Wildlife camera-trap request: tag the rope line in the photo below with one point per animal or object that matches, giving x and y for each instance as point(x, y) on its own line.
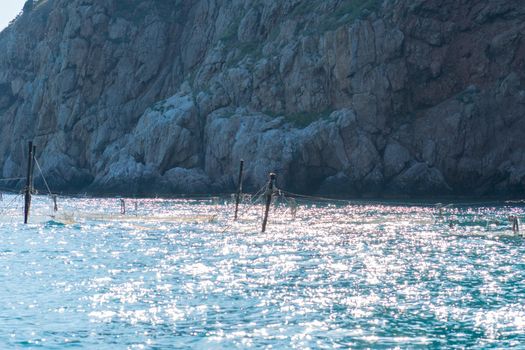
point(249, 205)
point(258, 195)
point(519, 201)
point(10, 190)
point(290, 194)
point(4, 209)
point(12, 178)
point(43, 177)
point(387, 202)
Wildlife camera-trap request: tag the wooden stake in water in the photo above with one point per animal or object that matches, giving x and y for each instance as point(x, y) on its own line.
point(515, 224)
point(122, 207)
point(239, 190)
point(29, 182)
point(269, 193)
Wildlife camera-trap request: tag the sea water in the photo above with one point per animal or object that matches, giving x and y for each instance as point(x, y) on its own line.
point(334, 275)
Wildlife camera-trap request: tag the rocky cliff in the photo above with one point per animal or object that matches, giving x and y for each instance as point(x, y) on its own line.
point(346, 97)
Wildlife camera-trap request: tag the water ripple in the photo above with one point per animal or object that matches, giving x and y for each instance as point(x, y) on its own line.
point(335, 276)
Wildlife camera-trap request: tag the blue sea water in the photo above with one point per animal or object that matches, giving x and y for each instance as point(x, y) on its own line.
point(180, 274)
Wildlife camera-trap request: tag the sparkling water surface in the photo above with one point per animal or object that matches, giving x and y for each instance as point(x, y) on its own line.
point(177, 274)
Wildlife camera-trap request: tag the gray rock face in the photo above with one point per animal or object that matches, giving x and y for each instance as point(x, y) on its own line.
point(419, 179)
point(337, 97)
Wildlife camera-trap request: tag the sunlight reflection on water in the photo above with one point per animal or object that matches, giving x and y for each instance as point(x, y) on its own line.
point(353, 275)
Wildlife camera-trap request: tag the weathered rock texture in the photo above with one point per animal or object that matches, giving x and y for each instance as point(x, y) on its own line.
point(347, 97)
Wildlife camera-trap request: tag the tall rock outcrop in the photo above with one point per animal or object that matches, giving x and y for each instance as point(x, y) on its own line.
point(346, 97)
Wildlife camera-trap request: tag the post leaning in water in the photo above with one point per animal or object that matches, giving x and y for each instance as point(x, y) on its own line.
point(269, 193)
point(239, 190)
point(29, 182)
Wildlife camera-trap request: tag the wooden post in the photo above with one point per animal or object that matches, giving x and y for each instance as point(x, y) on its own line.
point(29, 182)
point(515, 224)
point(55, 205)
point(269, 193)
point(239, 190)
point(122, 207)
